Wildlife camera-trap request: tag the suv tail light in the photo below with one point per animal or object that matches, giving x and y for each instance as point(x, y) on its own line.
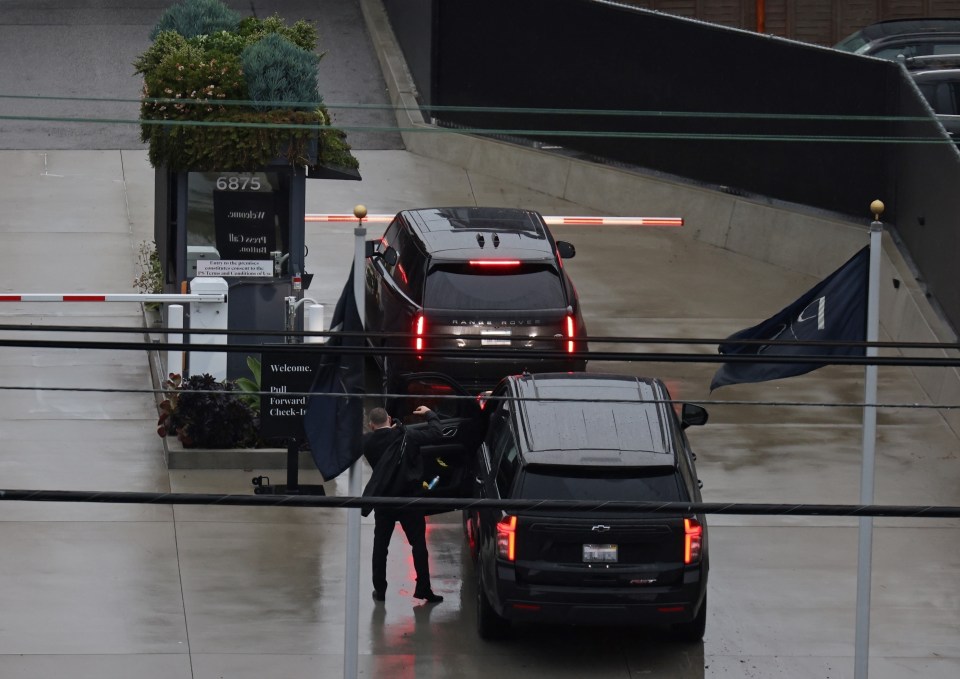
point(418, 328)
point(571, 333)
point(692, 541)
point(507, 538)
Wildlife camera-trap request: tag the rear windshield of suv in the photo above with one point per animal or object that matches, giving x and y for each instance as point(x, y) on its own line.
point(662, 485)
point(494, 288)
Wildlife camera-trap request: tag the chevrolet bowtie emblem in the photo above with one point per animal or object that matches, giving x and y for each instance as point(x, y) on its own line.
point(600, 528)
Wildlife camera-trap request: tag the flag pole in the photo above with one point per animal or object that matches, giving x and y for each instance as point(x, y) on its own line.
point(352, 596)
point(865, 549)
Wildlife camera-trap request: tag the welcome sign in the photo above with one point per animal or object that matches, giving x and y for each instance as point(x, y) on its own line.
point(286, 377)
point(244, 224)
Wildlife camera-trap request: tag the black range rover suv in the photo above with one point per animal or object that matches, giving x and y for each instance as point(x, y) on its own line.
point(480, 277)
point(600, 438)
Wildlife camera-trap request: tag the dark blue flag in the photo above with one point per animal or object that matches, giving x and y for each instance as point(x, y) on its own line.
point(334, 419)
point(833, 310)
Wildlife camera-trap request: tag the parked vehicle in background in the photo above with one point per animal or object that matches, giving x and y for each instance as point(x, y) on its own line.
point(481, 277)
point(879, 37)
point(588, 437)
point(938, 79)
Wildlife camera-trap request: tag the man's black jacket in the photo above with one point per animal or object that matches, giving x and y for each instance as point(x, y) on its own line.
point(394, 454)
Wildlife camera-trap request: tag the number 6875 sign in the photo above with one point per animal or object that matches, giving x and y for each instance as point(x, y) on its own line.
point(238, 183)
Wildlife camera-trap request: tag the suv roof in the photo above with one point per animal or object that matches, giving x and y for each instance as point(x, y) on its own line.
point(460, 233)
point(615, 420)
point(912, 45)
point(891, 27)
point(931, 63)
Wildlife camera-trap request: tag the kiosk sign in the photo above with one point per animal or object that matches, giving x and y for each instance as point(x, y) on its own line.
point(236, 268)
point(286, 377)
point(245, 224)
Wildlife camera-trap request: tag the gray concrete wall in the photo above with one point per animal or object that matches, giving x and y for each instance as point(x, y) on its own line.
point(773, 233)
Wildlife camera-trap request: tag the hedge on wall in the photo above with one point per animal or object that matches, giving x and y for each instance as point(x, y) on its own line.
point(225, 93)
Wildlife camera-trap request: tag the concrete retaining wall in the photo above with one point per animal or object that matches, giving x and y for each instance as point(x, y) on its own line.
point(777, 234)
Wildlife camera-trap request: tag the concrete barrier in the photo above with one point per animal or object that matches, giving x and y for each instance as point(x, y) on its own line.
point(785, 235)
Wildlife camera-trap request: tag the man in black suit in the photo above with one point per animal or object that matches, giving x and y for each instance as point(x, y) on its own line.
point(384, 434)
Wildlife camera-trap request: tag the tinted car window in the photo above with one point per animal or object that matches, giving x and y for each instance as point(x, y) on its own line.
point(950, 102)
point(462, 288)
point(407, 273)
point(505, 452)
point(390, 236)
point(581, 484)
point(929, 92)
point(914, 49)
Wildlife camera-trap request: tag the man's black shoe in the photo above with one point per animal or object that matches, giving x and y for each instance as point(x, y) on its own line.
point(428, 596)
point(379, 596)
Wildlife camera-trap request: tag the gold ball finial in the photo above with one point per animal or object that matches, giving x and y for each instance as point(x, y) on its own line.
point(877, 207)
point(360, 211)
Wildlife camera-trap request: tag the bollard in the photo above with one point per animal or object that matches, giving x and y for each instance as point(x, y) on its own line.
point(314, 323)
point(175, 322)
point(208, 316)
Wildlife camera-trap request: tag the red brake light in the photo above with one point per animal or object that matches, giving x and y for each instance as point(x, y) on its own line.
point(418, 328)
point(571, 333)
point(495, 262)
point(692, 541)
point(507, 538)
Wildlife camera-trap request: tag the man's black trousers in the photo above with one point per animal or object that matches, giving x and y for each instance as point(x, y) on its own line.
point(415, 528)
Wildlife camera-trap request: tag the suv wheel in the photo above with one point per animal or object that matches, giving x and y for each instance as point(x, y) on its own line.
point(692, 631)
point(490, 625)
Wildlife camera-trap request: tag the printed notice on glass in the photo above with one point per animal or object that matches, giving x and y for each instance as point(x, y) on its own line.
point(235, 268)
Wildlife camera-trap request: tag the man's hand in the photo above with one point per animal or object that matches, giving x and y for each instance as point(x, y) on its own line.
point(421, 410)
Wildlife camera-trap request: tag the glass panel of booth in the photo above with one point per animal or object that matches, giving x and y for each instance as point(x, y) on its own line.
point(240, 217)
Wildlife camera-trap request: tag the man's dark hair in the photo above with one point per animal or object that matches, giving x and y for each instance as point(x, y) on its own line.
point(378, 417)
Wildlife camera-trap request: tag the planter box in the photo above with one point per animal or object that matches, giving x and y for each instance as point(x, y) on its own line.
point(178, 457)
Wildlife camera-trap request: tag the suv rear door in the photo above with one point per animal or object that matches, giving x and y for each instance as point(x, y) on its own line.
point(394, 292)
point(450, 460)
point(594, 549)
point(498, 304)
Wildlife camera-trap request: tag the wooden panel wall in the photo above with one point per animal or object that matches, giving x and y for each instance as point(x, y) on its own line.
point(822, 22)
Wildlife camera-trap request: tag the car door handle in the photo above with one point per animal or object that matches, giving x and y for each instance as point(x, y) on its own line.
point(450, 432)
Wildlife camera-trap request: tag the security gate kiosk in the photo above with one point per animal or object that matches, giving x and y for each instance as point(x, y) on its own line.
point(244, 227)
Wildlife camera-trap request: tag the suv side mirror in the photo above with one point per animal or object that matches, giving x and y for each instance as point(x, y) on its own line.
point(693, 415)
point(389, 255)
point(566, 250)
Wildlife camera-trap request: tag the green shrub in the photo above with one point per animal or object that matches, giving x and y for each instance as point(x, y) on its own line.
point(165, 43)
point(201, 414)
point(197, 17)
point(276, 70)
point(197, 112)
point(302, 34)
point(149, 279)
point(251, 387)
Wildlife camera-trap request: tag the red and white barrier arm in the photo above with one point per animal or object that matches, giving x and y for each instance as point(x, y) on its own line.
point(551, 220)
point(96, 297)
point(614, 221)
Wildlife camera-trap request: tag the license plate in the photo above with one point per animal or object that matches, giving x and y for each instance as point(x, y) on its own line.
point(495, 338)
point(599, 553)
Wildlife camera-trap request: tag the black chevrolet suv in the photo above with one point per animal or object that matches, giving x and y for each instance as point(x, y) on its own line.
point(471, 278)
point(588, 437)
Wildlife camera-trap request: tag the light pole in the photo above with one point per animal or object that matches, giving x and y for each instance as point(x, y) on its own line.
point(352, 602)
point(861, 657)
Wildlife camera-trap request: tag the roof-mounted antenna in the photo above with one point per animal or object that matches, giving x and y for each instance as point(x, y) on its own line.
point(480, 239)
